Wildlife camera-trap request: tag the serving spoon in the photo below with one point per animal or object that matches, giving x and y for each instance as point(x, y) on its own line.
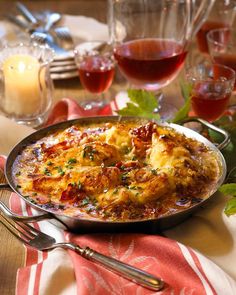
point(52, 19)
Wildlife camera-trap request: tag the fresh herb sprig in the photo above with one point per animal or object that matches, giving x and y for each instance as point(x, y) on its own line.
point(142, 104)
point(183, 112)
point(229, 189)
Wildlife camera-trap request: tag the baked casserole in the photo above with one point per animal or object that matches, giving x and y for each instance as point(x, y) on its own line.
point(116, 171)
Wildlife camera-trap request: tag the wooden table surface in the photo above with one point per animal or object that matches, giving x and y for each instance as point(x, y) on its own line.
point(12, 251)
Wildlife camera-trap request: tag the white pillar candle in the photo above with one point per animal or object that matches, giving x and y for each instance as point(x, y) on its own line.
point(22, 85)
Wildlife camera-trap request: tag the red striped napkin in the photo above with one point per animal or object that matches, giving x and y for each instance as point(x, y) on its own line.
point(184, 270)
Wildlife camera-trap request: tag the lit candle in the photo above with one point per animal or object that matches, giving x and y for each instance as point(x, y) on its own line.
point(22, 85)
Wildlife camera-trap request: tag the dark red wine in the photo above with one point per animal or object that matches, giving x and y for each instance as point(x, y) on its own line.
point(209, 105)
point(96, 73)
point(228, 60)
point(147, 61)
point(201, 35)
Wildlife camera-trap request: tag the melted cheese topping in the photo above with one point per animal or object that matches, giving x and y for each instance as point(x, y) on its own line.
point(116, 171)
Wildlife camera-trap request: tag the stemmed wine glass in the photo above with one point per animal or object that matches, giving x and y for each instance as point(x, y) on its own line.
point(95, 64)
point(150, 39)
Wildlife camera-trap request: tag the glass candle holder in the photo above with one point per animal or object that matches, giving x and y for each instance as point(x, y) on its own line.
point(25, 84)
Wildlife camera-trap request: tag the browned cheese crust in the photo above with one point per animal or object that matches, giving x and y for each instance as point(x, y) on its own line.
point(116, 171)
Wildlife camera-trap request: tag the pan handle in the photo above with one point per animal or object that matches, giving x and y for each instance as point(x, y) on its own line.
point(7, 212)
point(225, 134)
point(16, 217)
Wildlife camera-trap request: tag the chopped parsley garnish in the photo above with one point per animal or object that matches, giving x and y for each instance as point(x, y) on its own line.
point(79, 184)
point(60, 171)
point(115, 191)
point(47, 172)
point(133, 187)
point(72, 161)
point(85, 201)
point(18, 173)
point(49, 163)
point(154, 171)
point(124, 176)
point(69, 166)
point(89, 152)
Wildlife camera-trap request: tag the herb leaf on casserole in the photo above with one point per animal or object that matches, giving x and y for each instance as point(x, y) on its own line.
point(182, 113)
point(142, 104)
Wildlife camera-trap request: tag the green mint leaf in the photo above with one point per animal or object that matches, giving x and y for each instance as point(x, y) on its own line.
point(130, 110)
point(228, 189)
point(142, 104)
point(230, 208)
point(186, 90)
point(144, 99)
point(182, 113)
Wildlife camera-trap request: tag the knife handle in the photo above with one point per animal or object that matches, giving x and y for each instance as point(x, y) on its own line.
point(15, 20)
point(26, 13)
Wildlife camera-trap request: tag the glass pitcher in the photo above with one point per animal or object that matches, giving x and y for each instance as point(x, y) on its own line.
point(151, 38)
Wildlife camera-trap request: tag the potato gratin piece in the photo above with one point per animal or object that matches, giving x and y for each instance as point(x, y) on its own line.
point(116, 171)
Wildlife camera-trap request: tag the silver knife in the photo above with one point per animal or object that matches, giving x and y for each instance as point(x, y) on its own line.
point(19, 22)
point(26, 13)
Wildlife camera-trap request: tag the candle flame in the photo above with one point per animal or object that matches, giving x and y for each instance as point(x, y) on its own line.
point(21, 67)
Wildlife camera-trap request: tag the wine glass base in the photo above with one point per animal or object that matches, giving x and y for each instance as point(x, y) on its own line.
point(93, 107)
point(166, 111)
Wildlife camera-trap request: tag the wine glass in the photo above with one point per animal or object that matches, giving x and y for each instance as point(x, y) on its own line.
point(211, 88)
point(96, 65)
point(222, 15)
point(222, 47)
point(150, 39)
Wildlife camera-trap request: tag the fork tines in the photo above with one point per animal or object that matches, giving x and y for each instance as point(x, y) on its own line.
point(23, 232)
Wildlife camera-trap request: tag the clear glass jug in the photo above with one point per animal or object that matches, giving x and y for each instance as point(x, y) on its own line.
point(151, 38)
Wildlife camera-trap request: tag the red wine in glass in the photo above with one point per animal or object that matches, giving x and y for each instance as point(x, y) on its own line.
point(208, 107)
point(209, 104)
point(227, 59)
point(150, 61)
point(201, 35)
point(96, 73)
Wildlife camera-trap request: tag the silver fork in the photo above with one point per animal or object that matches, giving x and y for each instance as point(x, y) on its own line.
point(63, 34)
point(39, 240)
point(43, 38)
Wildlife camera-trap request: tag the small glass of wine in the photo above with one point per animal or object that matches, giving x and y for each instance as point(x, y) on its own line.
point(221, 16)
point(96, 68)
point(222, 46)
point(212, 85)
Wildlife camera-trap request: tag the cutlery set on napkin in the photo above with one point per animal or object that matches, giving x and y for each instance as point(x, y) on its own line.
point(43, 28)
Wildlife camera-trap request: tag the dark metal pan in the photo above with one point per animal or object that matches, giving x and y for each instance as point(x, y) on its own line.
point(87, 225)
